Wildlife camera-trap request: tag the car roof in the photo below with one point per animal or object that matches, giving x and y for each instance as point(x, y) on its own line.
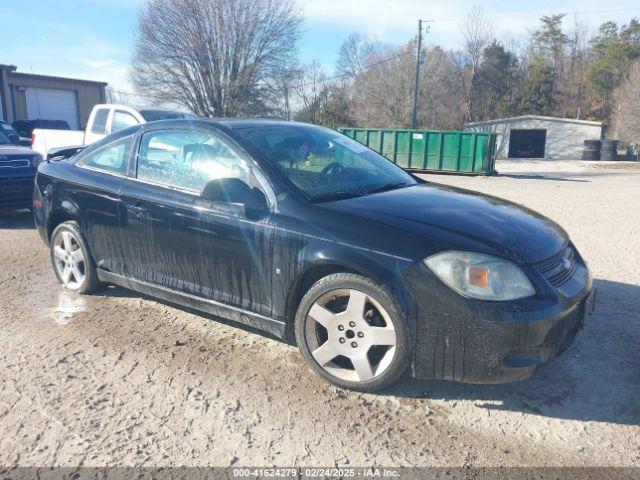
point(227, 123)
point(234, 123)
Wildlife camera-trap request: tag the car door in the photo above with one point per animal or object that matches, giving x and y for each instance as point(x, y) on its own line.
point(100, 174)
point(178, 240)
point(97, 125)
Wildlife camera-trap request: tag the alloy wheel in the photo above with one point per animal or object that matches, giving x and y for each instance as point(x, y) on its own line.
point(69, 260)
point(350, 335)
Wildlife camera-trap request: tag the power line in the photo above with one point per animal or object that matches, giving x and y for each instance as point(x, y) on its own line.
point(538, 15)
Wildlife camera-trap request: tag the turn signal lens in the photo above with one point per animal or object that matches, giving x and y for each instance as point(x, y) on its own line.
point(480, 276)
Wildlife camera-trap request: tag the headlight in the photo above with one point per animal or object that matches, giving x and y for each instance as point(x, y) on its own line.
point(480, 276)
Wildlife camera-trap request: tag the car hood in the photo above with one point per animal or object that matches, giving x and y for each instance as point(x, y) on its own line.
point(449, 213)
point(16, 151)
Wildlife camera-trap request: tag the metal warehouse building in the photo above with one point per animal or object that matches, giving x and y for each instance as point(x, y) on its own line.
point(532, 136)
point(25, 96)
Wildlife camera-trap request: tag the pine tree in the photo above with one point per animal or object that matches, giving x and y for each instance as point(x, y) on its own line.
point(537, 90)
point(496, 81)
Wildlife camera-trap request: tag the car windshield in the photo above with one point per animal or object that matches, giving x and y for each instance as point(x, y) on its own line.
point(4, 140)
point(7, 129)
point(323, 164)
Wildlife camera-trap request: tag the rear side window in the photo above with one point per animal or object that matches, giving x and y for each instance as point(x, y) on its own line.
point(187, 160)
point(110, 158)
point(122, 120)
point(100, 121)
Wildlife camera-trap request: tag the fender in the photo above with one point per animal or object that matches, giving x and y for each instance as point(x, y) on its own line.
point(66, 210)
point(320, 259)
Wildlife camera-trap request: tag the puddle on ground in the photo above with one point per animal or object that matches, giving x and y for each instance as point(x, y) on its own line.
point(52, 302)
point(68, 304)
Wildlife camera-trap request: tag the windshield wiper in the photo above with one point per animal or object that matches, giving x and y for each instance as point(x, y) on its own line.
point(387, 186)
point(341, 195)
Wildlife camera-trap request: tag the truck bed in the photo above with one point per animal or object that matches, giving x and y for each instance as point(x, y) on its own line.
point(44, 140)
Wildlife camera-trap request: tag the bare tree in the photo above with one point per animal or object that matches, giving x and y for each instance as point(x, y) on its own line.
point(440, 106)
point(626, 118)
point(572, 88)
point(215, 57)
point(310, 91)
point(116, 96)
point(478, 32)
point(283, 91)
point(382, 92)
point(354, 55)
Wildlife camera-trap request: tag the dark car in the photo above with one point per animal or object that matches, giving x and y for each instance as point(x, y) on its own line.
point(13, 135)
point(26, 127)
point(18, 167)
point(300, 231)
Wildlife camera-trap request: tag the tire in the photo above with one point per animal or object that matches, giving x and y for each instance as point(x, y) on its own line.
point(346, 320)
point(71, 259)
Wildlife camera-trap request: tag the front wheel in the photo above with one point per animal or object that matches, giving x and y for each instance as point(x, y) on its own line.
point(351, 333)
point(71, 260)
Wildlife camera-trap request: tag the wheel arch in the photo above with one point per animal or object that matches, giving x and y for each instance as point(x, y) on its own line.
point(65, 212)
point(319, 270)
point(304, 281)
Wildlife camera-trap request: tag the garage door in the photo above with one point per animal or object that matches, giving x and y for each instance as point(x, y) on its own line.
point(527, 143)
point(52, 104)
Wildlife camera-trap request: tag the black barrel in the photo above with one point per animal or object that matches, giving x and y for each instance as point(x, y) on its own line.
point(609, 150)
point(591, 150)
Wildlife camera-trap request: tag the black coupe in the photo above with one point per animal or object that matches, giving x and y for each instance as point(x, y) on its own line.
point(308, 234)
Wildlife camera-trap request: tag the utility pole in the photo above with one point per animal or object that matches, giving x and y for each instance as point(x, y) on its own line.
point(414, 117)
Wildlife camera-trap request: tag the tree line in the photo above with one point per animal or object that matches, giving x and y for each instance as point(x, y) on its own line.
point(239, 58)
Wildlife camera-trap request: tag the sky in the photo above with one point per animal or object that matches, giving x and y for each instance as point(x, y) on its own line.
point(93, 39)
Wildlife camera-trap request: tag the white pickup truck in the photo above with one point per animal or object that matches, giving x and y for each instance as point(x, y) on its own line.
point(103, 120)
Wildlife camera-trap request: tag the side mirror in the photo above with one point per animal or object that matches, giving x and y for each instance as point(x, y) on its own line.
point(63, 152)
point(14, 138)
point(234, 190)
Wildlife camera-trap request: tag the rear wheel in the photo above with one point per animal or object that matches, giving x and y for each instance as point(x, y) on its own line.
point(351, 333)
point(71, 260)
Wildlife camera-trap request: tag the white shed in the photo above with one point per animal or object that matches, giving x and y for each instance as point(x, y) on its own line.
point(533, 136)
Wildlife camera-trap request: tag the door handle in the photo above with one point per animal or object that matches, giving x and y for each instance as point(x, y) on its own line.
point(137, 211)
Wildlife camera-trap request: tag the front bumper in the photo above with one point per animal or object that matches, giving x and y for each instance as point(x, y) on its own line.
point(473, 341)
point(16, 192)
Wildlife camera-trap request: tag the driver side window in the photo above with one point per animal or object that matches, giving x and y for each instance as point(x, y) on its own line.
point(187, 160)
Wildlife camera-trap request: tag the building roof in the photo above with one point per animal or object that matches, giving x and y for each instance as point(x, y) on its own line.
point(534, 117)
point(12, 70)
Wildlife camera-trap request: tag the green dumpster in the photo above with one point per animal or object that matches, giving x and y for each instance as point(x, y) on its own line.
point(430, 150)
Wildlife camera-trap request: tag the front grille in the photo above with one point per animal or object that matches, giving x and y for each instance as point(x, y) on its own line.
point(559, 268)
point(15, 163)
point(16, 188)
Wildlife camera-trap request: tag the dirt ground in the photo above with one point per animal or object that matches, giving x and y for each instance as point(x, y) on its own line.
point(118, 379)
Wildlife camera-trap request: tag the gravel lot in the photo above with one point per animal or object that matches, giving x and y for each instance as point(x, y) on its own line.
point(119, 379)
